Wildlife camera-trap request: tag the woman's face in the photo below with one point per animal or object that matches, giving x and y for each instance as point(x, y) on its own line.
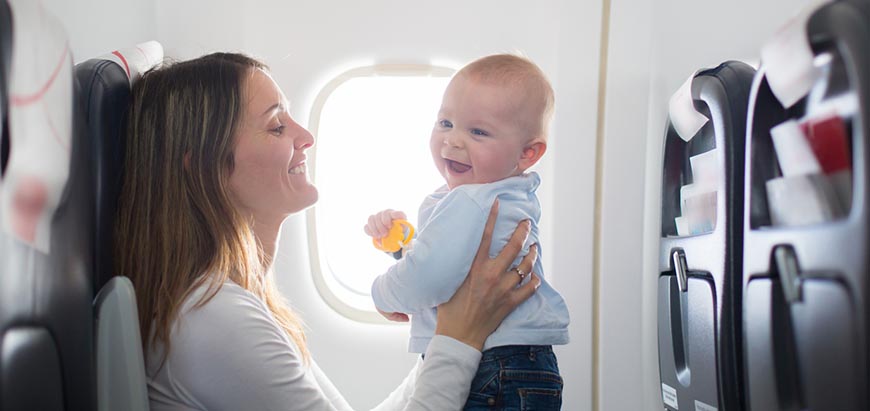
point(270, 179)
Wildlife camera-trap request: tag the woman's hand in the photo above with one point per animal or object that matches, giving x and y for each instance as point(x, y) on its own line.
point(492, 288)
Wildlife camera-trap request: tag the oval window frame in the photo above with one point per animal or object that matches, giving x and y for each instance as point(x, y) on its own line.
point(324, 280)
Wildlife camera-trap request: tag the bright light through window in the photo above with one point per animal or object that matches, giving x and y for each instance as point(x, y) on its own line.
point(372, 153)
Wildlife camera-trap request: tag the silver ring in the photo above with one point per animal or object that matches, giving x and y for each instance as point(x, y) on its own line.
point(520, 273)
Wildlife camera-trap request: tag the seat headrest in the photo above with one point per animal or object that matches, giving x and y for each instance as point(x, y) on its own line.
point(104, 85)
point(40, 124)
point(138, 59)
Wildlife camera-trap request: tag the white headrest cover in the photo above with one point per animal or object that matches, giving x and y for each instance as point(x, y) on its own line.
point(40, 124)
point(138, 59)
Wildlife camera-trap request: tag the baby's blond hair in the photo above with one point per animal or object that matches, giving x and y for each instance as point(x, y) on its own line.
point(515, 70)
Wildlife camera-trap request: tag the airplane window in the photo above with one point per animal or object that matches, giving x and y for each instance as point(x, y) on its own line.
point(372, 153)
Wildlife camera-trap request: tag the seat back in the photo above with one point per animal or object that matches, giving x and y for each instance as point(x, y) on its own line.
point(806, 258)
point(702, 224)
point(105, 97)
point(105, 94)
point(46, 223)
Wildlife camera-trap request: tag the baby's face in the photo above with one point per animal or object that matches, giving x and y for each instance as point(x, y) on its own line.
point(481, 132)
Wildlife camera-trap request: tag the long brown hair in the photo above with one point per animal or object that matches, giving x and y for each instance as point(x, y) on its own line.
point(176, 226)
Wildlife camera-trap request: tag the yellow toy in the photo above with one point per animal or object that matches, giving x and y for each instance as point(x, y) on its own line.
point(399, 236)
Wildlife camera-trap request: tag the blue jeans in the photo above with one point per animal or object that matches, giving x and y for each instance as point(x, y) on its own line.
point(515, 378)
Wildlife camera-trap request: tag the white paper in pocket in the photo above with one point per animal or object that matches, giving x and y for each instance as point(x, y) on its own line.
point(793, 151)
point(698, 209)
point(705, 169)
point(803, 199)
point(682, 224)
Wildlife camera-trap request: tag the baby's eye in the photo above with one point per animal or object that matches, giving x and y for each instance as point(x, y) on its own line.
point(277, 130)
point(445, 123)
point(479, 132)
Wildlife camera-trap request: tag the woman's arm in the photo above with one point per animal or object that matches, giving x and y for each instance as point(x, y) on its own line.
point(444, 379)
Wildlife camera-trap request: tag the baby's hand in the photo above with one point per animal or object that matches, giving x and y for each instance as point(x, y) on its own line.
point(379, 224)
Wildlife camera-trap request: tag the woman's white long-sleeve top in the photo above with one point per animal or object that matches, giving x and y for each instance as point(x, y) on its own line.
point(231, 354)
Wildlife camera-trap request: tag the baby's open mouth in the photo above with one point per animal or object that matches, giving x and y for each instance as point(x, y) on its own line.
point(457, 167)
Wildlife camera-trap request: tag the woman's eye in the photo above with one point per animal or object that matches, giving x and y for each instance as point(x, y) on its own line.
point(445, 123)
point(479, 132)
point(277, 130)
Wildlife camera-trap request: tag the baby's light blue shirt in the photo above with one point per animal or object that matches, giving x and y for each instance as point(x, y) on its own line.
point(450, 226)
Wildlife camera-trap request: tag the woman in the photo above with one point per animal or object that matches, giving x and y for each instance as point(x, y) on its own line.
point(214, 164)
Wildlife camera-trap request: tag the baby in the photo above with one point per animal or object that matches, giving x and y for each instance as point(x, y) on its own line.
point(492, 126)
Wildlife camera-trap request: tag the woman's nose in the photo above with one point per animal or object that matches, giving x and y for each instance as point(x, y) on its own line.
point(305, 140)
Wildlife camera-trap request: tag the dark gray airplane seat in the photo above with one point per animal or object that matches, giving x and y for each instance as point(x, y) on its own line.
point(105, 85)
point(700, 253)
point(807, 236)
point(46, 229)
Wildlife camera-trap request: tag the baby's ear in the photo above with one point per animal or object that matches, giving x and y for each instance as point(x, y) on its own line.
point(532, 152)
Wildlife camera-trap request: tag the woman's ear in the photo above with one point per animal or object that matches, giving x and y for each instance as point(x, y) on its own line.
point(532, 152)
point(187, 161)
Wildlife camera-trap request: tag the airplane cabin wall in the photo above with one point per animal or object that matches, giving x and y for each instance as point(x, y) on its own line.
point(96, 27)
